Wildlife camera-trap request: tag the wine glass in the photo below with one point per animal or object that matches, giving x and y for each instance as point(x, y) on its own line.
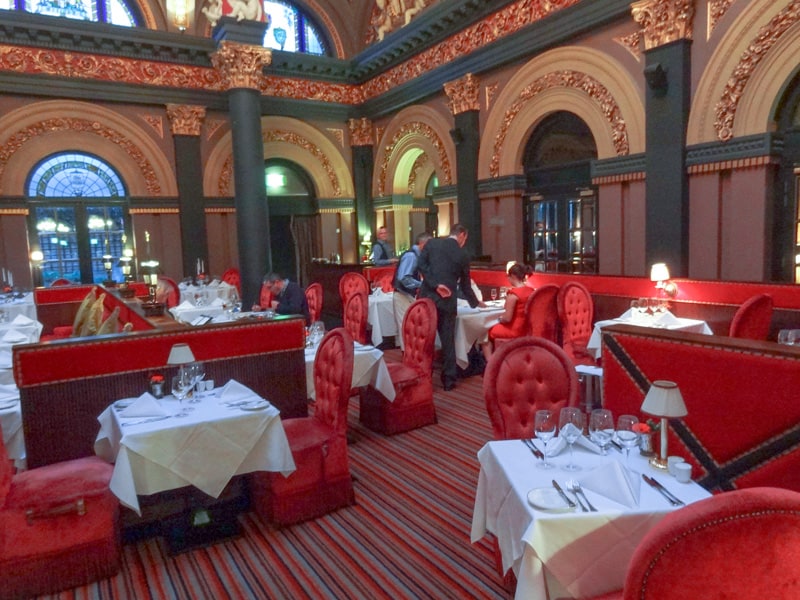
point(181, 386)
point(544, 426)
point(627, 435)
point(570, 425)
point(196, 372)
point(601, 428)
point(493, 294)
point(317, 332)
point(503, 293)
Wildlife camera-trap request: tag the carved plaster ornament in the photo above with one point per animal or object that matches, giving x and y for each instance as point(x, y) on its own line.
point(463, 94)
point(251, 10)
point(360, 132)
point(664, 21)
point(185, 119)
point(240, 65)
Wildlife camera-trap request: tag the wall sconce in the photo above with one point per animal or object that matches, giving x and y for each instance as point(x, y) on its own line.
point(659, 273)
point(150, 276)
point(663, 400)
point(125, 267)
point(108, 265)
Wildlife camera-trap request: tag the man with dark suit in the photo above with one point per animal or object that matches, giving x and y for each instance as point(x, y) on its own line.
point(288, 298)
point(444, 265)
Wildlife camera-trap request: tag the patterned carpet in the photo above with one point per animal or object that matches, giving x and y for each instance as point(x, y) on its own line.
point(407, 536)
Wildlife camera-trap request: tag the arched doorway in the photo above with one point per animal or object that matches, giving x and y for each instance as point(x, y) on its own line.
point(785, 254)
point(560, 203)
point(79, 218)
point(293, 221)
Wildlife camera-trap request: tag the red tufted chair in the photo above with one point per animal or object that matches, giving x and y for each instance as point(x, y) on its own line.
point(232, 277)
point(753, 318)
point(322, 481)
point(314, 299)
point(356, 311)
point(412, 378)
point(541, 312)
point(352, 282)
point(384, 281)
point(525, 375)
point(60, 281)
point(696, 552)
point(59, 526)
point(168, 291)
point(576, 311)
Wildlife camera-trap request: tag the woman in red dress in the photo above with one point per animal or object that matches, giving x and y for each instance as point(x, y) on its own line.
point(511, 323)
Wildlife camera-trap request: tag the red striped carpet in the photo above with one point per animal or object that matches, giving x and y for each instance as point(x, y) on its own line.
point(407, 536)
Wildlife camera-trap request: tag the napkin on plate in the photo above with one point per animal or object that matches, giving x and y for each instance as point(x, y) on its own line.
point(13, 336)
point(615, 481)
point(5, 359)
point(233, 391)
point(22, 320)
point(144, 406)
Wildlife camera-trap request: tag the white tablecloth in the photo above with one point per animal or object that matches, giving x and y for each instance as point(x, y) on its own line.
point(208, 293)
point(205, 449)
point(369, 368)
point(381, 316)
point(472, 325)
point(567, 554)
point(20, 327)
point(664, 321)
point(19, 306)
point(11, 423)
point(187, 314)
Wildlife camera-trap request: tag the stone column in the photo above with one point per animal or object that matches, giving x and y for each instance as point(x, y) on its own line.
point(361, 141)
point(185, 124)
point(240, 66)
point(667, 32)
point(464, 104)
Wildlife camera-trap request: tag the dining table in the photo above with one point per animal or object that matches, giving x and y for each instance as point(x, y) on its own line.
point(11, 412)
point(191, 314)
point(662, 320)
point(207, 293)
point(202, 444)
point(472, 327)
point(558, 551)
point(20, 303)
point(369, 368)
point(380, 315)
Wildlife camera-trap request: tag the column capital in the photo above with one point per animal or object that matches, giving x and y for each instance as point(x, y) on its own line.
point(185, 119)
point(240, 65)
point(463, 94)
point(664, 21)
point(360, 132)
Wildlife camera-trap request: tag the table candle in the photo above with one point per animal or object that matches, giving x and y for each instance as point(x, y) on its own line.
point(10, 278)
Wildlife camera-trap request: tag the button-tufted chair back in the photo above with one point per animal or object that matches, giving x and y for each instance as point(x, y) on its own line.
point(576, 312)
point(541, 312)
point(234, 278)
point(314, 299)
point(333, 371)
point(168, 291)
point(350, 283)
point(419, 333)
point(525, 375)
point(356, 311)
point(753, 318)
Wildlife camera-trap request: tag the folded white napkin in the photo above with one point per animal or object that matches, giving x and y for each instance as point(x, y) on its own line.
point(185, 305)
point(558, 444)
point(233, 391)
point(144, 406)
point(615, 481)
point(214, 284)
point(224, 285)
point(5, 359)
point(217, 302)
point(666, 319)
point(13, 336)
point(22, 320)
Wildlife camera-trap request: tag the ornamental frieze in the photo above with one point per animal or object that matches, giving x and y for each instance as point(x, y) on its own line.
point(305, 89)
point(288, 137)
point(18, 139)
point(664, 21)
point(463, 94)
point(185, 119)
point(422, 161)
point(564, 79)
point(768, 36)
point(423, 130)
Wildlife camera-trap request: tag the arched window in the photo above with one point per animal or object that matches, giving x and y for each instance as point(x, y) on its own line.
point(115, 12)
point(79, 218)
point(292, 30)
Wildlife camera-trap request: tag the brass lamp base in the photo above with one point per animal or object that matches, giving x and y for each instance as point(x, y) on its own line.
point(658, 463)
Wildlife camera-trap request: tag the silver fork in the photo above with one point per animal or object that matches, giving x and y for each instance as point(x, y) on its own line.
point(576, 489)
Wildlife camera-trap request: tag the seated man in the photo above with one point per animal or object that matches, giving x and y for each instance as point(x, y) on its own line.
point(288, 298)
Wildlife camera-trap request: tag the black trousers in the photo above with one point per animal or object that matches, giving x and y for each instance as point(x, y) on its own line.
point(446, 326)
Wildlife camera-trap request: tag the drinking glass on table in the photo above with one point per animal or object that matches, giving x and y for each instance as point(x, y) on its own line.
point(601, 428)
point(544, 426)
point(570, 426)
point(196, 372)
point(181, 386)
point(493, 294)
point(627, 435)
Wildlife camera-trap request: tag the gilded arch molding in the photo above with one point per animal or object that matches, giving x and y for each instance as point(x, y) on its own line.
point(752, 64)
point(293, 140)
point(588, 83)
point(411, 133)
point(42, 128)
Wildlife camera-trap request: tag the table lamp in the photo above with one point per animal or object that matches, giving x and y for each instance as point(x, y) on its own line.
point(659, 273)
point(180, 354)
point(663, 400)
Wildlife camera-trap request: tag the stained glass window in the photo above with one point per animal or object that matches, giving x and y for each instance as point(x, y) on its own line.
point(292, 30)
point(74, 175)
point(115, 12)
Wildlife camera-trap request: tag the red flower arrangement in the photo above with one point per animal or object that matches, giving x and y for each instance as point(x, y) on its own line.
point(642, 428)
point(157, 378)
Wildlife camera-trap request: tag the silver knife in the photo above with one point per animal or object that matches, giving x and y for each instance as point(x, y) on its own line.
point(148, 420)
point(664, 491)
point(536, 452)
point(569, 502)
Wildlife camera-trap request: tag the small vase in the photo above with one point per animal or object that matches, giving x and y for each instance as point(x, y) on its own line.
point(157, 389)
point(646, 445)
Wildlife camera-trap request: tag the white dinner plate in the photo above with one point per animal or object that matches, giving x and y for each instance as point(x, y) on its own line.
point(254, 405)
point(548, 499)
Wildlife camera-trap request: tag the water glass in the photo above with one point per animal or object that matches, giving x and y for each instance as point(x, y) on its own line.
point(544, 426)
point(601, 428)
point(570, 425)
point(627, 435)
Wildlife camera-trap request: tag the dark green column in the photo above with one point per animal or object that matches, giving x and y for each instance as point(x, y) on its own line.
point(240, 58)
point(363, 167)
point(667, 100)
point(466, 136)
